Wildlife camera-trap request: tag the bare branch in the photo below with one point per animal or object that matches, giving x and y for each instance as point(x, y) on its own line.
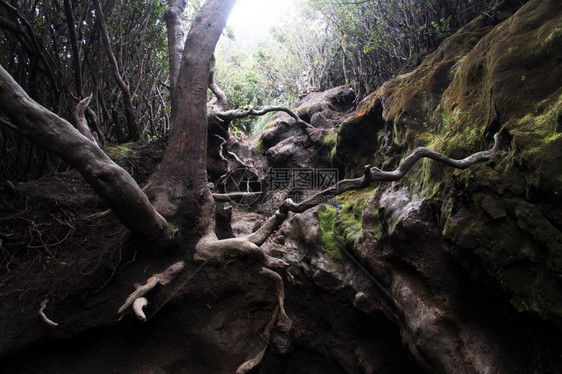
point(71, 22)
point(221, 99)
point(134, 132)
point(110, 181)
point(80, 119)
point(229, 115)
point(372, 174)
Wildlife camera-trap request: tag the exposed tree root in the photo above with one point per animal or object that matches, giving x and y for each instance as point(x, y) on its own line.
point(42, 313)
point(285, 322)
point(138, 305)
point(161, 278)
point(248, 110)
point(210, 248)
point(254, 361)
point(279, 320)
point(374, 174)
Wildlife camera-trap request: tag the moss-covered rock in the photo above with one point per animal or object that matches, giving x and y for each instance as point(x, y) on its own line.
point(360, 137)
point(329, 240)
point(493, 75)
point(511, 82)
point(342, 226)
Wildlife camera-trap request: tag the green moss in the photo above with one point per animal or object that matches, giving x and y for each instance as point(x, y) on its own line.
point(350, 224)
point(269, 126)
point(259, 147)
point(327, 217)
point(537, 148)
point(330, 139)
point(351, 219)
point(343, 229)
point(543, 119)
point(485, 78)
point(119, 152)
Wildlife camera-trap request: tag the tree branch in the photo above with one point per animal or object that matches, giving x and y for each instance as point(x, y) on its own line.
point(134, 132)
point(74, 46)
point(80, 119)
point(229, 115)
point(221, 99)
point(372, 174)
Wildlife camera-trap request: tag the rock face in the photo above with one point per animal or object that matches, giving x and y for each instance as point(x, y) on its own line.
point(469, 254)
point(481, 81)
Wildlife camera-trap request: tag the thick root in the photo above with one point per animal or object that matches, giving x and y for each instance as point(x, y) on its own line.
point(285, 323)
point(220, 251)
point(161, 278)
point(280, 321)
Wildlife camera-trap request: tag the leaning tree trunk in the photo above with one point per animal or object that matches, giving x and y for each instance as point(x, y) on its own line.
point(57, 135)
point(182, 176)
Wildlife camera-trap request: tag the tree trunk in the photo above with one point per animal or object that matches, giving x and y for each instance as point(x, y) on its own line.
point(175, 38)
point(182, 176)
point(132, 126)
point(74, 47)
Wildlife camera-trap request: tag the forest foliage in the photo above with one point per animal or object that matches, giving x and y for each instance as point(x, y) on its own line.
point(55, 50)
